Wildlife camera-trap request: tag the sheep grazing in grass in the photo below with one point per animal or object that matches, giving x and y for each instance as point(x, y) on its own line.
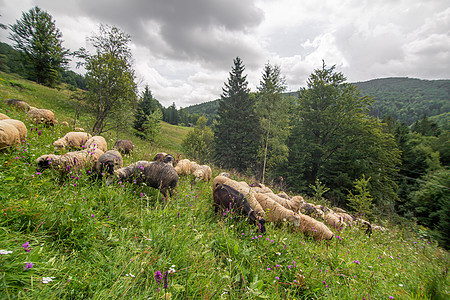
point(124, 146)
point(9, 135)
point(72, 140)
point(20, 127)
point(3, 117)
point(243, 189)
point(275, 212)
point(227, 198)
point(40, 116)
point(96, 141)
point(108, 162)
point(158, 175)
point(160, 156)
point(203, 172)
point(166, 158)
point(293, 205)
point(64, 123)
point(183, 167)
point(76, 160)
point(18, 104)
point(334, 220)
point(285, 196)
point(314, 228)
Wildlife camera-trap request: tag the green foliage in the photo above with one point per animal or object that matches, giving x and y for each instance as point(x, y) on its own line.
point(432, 204)
point(147, 117)
point(272, 110)
point(407, 99)
point(426, 127)
point(35, 35)
point(318, 191)
point(236, 134)
point(361, 201)
point(110, 79)
point(207, 109)
point(198, 144)
point(334, 139)
point(171, 114)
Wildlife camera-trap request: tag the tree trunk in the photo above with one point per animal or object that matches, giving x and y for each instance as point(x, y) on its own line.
point(265, 150)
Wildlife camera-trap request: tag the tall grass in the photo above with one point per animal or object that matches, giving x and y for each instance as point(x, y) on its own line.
point(100, 242)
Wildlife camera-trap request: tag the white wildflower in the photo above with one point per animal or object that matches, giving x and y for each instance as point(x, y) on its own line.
point(5, 252)
point(47, 279)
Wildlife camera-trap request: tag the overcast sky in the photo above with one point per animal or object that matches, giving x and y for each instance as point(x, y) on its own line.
point(184, 49)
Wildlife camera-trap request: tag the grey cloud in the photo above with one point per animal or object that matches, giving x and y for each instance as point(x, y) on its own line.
point(195, 30)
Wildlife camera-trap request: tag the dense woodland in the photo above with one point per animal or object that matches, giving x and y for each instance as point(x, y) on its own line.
point(332, 139)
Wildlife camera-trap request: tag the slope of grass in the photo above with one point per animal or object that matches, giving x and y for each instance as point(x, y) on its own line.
point(99, 242)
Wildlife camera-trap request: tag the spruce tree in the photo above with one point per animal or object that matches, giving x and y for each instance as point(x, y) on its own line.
point(145, 108)
point(236, 132)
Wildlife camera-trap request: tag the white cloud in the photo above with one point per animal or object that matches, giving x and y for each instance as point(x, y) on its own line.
point(184, 49)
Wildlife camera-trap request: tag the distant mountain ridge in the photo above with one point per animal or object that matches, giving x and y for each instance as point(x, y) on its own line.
point(406, 99)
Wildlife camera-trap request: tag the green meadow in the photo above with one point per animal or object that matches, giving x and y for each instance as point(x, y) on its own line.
point(77, 238)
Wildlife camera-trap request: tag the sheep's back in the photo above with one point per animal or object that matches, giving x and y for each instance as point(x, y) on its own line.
point(9, 135)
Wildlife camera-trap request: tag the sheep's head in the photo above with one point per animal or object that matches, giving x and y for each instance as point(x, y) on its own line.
point(169, 159)
point(43, 162)
point(262, 225)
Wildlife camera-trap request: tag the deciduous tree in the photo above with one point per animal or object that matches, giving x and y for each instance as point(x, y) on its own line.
point(110, 79)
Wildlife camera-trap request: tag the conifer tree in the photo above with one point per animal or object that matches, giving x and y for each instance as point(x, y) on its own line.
point(272, 111)
point(148, 115)
point(236, 130)
point(40, 42)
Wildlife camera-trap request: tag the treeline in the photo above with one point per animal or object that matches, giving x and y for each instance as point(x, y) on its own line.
point(12, 61)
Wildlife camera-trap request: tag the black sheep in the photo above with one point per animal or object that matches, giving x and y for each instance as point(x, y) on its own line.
point(226, 197)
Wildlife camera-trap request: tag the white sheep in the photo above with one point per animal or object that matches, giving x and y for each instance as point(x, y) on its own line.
point(9, 135)
point(97, 141)
point(79, 160)
point(203, 172)
point(3, 116)
point(20, 127)
point(41, 115)
point(72, 140)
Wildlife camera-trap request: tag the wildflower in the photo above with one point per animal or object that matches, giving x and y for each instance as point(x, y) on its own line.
point(278, 266)
point(131, 275)
point(356, 262)
point(289, 266)
point(28, 265)
point(277, 278)
point(39, 133)
point(295, 280)
point(26, 246)
point(5, 252)
point(400, 285)
point(158, 276)
point(271, 241)
point(229, 259)
point(171, 269)
point(166, 280)
point(391, 297)
point(268, 269)
point(93, 215)
point(47, 279)
point(293, 262)
point(278, 253)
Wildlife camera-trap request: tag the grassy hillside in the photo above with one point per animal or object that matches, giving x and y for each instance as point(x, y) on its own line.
point(59, 101)
point(96, 242)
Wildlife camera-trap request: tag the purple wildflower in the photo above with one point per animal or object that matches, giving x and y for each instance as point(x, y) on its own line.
point(158, 276)
point(391, 297)
point(356, 262)
point(268, 269)
point(277, 278)
point(28, 266)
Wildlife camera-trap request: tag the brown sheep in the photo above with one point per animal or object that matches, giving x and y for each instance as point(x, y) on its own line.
point(18, 104)
point(124, 146)
point(158, 175)
point(108, 162)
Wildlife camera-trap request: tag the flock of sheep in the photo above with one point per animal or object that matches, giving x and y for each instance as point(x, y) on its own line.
point(257, 202)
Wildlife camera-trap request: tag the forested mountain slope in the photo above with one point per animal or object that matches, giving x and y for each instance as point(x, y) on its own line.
point(406, 99)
